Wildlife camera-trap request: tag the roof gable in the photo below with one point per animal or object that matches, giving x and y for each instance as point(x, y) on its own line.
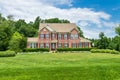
point(58, 27)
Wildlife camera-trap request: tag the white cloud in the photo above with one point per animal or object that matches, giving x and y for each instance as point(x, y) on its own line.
point(30, 9)
point(57, 2)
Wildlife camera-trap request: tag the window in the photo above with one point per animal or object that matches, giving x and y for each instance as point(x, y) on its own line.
point(80, 44)
point(76, 36)
point(41, 45)
point(65, 36)
point(71, 36)
point(65, 45)
point(42, 36)
point(73, 45)
point(47, 45)
point(53, 36)
point(59, 45)
point(47, 36)
point(86, 44)
point(32, 45)
point(59, 36)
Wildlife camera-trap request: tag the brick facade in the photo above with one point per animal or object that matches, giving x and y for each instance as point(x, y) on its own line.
point(52, 38)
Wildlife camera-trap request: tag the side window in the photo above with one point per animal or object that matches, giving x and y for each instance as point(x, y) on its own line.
point(33, 45)
point(86, 44)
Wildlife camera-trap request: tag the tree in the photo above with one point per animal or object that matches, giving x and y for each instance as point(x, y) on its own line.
point(10, 17)
point(5, 35)
point(36, 23)
point(27, 31)
point(103, 42)
point(117, 29)
point(17, 42)
point(55, 20)
point(81, 32)
point(115, 43)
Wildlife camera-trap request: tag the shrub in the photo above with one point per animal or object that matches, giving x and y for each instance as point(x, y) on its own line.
point(7, 53)
point(74, 49)
point(36, 49)
point(104, 51)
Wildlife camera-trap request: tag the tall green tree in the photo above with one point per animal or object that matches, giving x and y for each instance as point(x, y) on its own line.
point(17, 42)
point(36, 22)
point(81, 32)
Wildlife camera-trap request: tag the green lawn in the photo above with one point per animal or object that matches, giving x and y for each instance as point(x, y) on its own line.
point(60, 66)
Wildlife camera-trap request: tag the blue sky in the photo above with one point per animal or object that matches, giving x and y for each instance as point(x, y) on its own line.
point(92, 16)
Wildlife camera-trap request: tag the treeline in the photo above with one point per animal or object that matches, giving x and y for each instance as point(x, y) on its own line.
point(14, 33)
point(108, 43)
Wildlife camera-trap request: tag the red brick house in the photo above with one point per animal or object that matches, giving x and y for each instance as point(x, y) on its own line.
point(58, 35)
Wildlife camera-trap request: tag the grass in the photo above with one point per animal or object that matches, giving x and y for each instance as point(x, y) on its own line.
point(61, 66)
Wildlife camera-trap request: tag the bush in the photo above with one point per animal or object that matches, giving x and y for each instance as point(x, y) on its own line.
point(104, 51)
point(7, 53)
point(74, 49)
point(36, 49)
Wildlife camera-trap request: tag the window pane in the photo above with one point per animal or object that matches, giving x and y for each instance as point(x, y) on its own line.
point(59, 36)
point(32, 45)
point(53, 36)
point(42, 36)
point(73, 45)
point(76, 36)
point(65, 45)
point(72, 36)
point(41, 45)
point(80, 44)
point(47, 45)
point(59, 45)
point(65, 36)
point(47, 36)
point(86, 44)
